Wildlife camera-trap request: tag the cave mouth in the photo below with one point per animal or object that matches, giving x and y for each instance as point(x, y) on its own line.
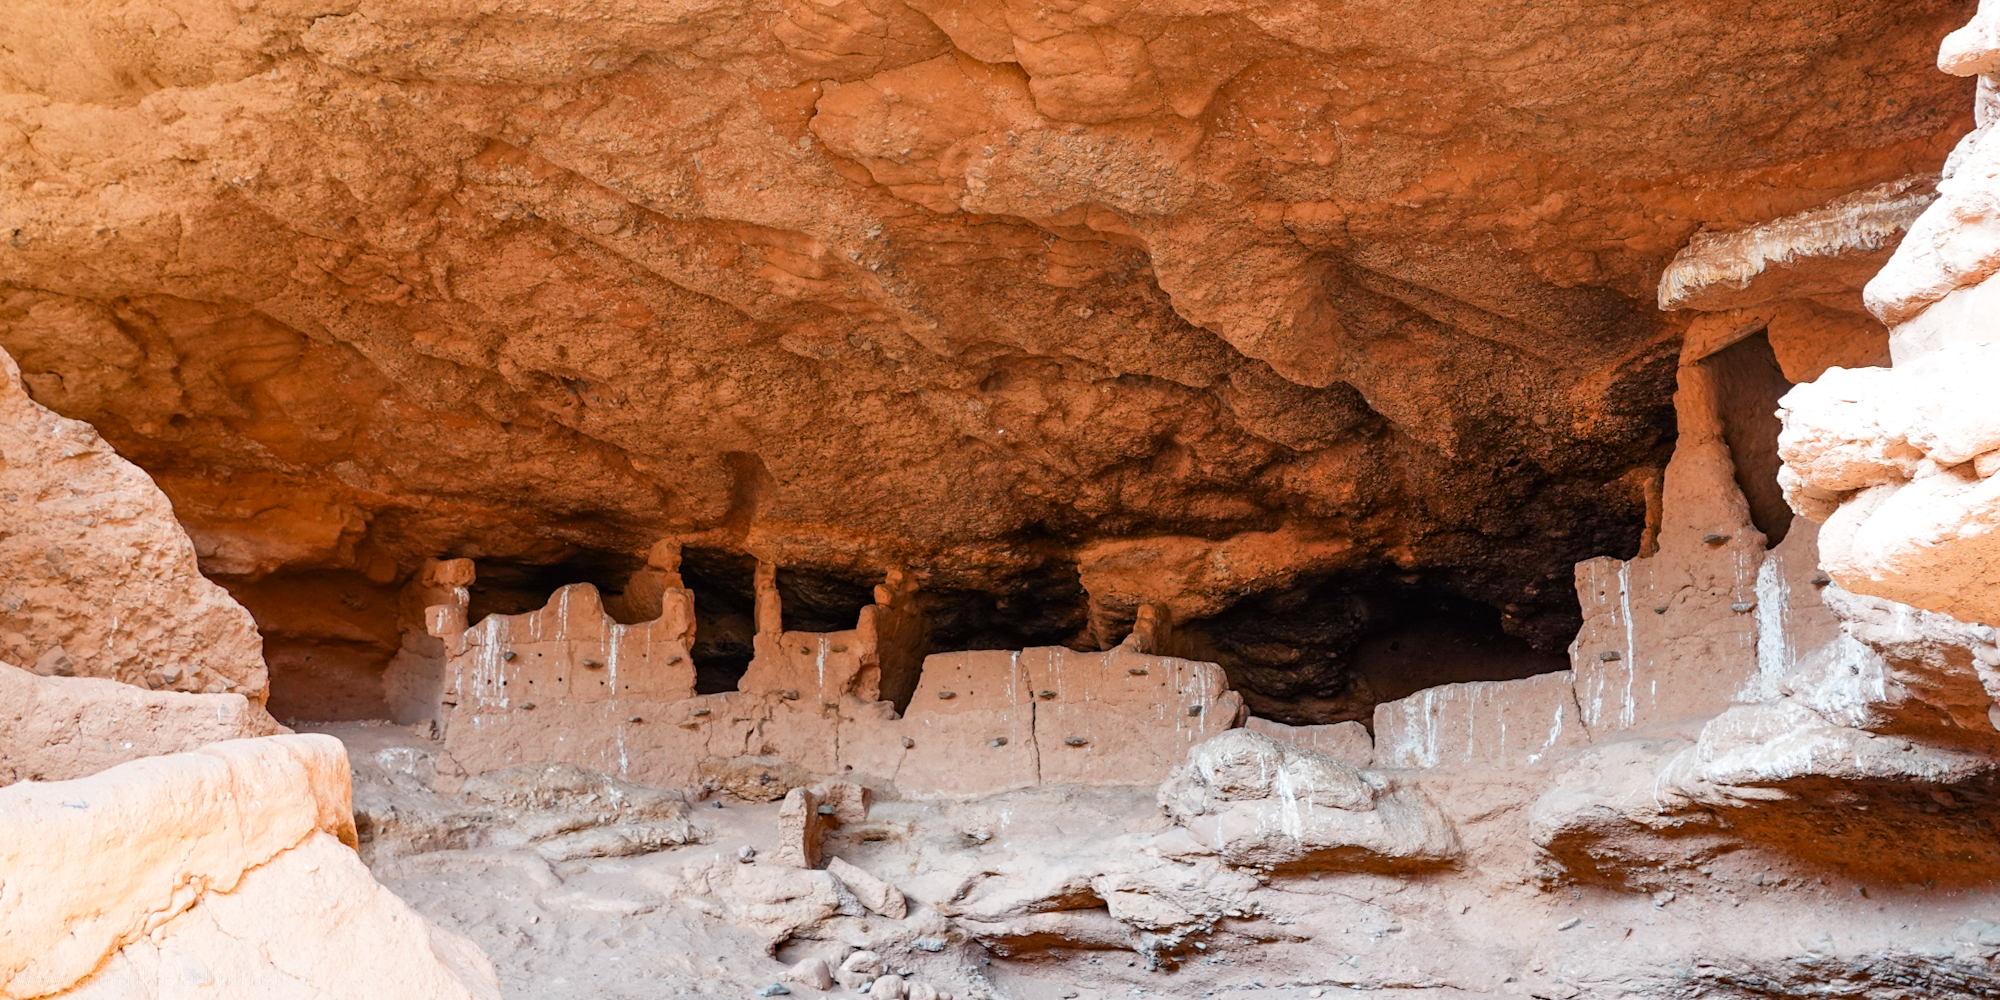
point(1330, 649)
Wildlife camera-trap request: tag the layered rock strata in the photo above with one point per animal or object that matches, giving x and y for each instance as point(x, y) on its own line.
point(1899, 461)
point(229, 869)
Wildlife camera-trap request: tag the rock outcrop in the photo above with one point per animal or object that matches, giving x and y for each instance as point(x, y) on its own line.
point(230, 868)
point(1178, 304)
point(59, 728)
point(808, 497)
point(100, 579)
point(1899, 461)
point(1260, 802)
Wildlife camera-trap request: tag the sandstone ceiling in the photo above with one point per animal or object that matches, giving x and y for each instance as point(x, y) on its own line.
point(1199, 299)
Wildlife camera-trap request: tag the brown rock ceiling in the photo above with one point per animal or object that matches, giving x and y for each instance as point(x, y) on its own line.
point(1308, 300)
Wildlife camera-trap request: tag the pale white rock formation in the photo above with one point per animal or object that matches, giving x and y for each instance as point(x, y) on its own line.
point(99, 579)
point(1820, 251)
point(1347, 742)
point(58, 728)
point(1899, 462)
point(1255, 800)
point(228, 870)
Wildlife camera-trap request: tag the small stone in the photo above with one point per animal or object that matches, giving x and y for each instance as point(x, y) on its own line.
point(997, 741)
point(859, 970)
point(1715, 539)
point(1194, 710)
point(908, 743)
point(592, 664)
point(874, 893)
point(699, 712)
point(509, 656)
point(789, 694)
point(825, 810)
point(1610, 655)
point(1137, 671)
point(889, 987)
point(921, 991)
point(1045, 695)
point(1567, 924)
point(1662, 898)
point(634, 719)
point(746, 853)
point(1741, 606)
point(930, 944)
point(1075, 741)
point(773, 990)
point(947, 695)
point(1821, 580)
point(528, 706)
point(813, 974)
point(1660, 609)
point(55, 663)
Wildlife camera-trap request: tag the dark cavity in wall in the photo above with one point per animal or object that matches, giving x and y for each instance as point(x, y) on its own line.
point(1043, 607)
point(725, 616)
point(1748, 385)
point(821, 601)
point(328, 637)
point(1331, 649)
point(503, 587)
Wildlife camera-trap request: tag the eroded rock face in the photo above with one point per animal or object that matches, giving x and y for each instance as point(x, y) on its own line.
point(965, 288)
point(1899, 462)
point(100, 580)
point(1259, 801)
point(231, 866)
point(58, 728)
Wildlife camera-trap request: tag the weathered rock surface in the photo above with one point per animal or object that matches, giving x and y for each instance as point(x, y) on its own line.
point(1258, 801)
point(59, 728)
point(1898, 462)
point(100, 580)
point(231, 867)
point(558, 811)
point(999, 403)
point(971, 291)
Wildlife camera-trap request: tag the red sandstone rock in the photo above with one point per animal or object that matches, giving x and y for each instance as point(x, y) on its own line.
point(100, 579)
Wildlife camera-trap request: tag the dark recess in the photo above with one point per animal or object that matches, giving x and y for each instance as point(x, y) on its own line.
point(1045, 607)
point(1748, 385)
point(1331, 649)
point(510, 588)
point(819, 601)
point(725, 616)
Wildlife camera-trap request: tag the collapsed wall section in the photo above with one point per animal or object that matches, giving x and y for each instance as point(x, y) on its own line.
point(568, 683)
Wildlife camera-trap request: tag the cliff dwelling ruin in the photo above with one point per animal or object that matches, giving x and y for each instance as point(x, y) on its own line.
point(1023, 500)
